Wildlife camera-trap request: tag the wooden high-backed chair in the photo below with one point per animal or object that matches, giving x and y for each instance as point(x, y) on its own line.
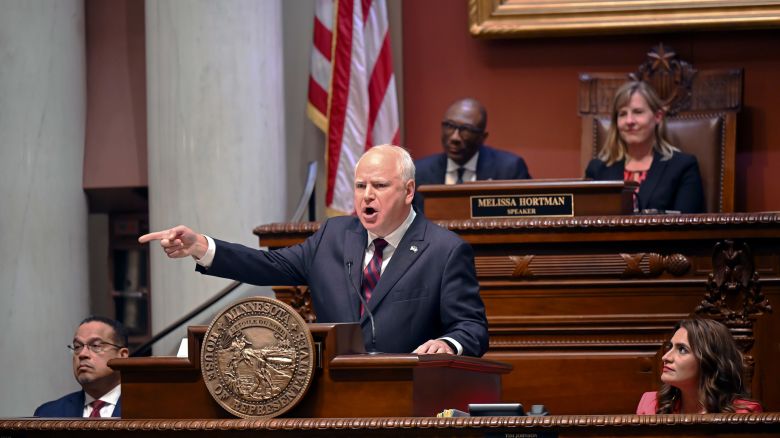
point(701, 118)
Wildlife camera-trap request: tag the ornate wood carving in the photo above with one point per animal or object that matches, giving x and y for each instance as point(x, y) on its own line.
point(299, 298)
point(734, 296)
point(639, 265)
point(678, 84)
point(733, 288)
point(769, 421)
point(672, 78)
point(521, 265)
point(295, 232)
point(676, 264)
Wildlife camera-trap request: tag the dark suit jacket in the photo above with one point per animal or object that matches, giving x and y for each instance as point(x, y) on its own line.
point(71, 405)
point(428, 290)
point(674, 184)
point(491, 164)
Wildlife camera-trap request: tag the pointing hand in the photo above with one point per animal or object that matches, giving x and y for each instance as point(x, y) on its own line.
point(179, 242)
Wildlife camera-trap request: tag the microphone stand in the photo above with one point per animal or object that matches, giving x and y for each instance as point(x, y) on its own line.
point(363, 301)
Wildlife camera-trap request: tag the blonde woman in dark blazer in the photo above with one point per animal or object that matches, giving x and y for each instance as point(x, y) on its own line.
point(636, 149)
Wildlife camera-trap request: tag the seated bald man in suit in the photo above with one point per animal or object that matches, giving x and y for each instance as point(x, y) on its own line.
point(426, 297)
point(466, 157)
point(97, 340)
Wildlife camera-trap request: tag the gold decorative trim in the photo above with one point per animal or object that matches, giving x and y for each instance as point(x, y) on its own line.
point(288, 227)
point(523, 18)
point(615, 222)
point(763, 421)
point(574, 223)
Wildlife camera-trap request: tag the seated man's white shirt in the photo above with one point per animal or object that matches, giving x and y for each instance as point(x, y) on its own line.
point(469, 173)
point(111, 398)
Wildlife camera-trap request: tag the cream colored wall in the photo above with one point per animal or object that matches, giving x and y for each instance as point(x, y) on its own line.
point(215, 111)
point(43, 210)
point(44, 277)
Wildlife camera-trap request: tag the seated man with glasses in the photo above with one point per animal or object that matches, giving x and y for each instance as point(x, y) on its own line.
point(97, 340)
point(465, 157)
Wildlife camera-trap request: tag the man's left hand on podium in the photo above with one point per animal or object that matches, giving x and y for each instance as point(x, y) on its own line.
point(434, 346)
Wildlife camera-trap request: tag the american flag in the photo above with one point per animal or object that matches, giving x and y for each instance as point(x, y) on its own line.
point(352, 95)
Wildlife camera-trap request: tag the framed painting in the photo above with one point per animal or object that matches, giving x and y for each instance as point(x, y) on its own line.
point(530, 18)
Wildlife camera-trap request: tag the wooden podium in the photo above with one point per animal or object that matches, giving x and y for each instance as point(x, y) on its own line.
point(347, 382)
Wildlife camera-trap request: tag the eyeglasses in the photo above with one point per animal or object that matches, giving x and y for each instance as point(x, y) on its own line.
point(449, 127)
point(94, 346)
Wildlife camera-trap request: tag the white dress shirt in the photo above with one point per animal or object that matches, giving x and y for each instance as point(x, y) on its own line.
point(469, 173)
point(111, 398)
point(392, 239)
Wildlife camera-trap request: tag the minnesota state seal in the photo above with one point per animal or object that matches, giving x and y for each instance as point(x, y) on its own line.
point(257, 358)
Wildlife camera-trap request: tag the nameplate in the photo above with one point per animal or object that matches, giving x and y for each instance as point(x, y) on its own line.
point(508, 206)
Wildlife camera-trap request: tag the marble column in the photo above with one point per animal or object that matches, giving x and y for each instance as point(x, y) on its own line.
point(216, 135)
point(43, 211)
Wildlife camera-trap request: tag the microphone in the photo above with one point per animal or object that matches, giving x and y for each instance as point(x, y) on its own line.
point(637, 209)
point(363, 301)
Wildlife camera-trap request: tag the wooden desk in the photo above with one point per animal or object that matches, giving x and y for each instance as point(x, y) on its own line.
point(656, 426)
point(580, 306)
point(346, 383)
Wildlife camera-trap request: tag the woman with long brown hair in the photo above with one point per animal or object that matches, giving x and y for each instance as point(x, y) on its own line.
point(702, 373)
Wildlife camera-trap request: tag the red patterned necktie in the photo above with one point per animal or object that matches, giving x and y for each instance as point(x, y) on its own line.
point(96, 406)
point(373, 271)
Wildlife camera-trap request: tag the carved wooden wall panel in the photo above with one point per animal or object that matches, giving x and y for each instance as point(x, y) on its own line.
point(580, 306)
point(624, 265)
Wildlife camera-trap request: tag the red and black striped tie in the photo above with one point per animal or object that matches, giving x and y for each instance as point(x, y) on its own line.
point(373, 271)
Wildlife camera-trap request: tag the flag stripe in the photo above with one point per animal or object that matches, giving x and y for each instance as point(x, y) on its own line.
point(323, 38)
point(318, 97)
point(365, 6)
point(324, 12)
point(386, 129)
point(352, 94)
point(320, 70)
point(377, 86)
point(339, 91)
point(321, 66)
